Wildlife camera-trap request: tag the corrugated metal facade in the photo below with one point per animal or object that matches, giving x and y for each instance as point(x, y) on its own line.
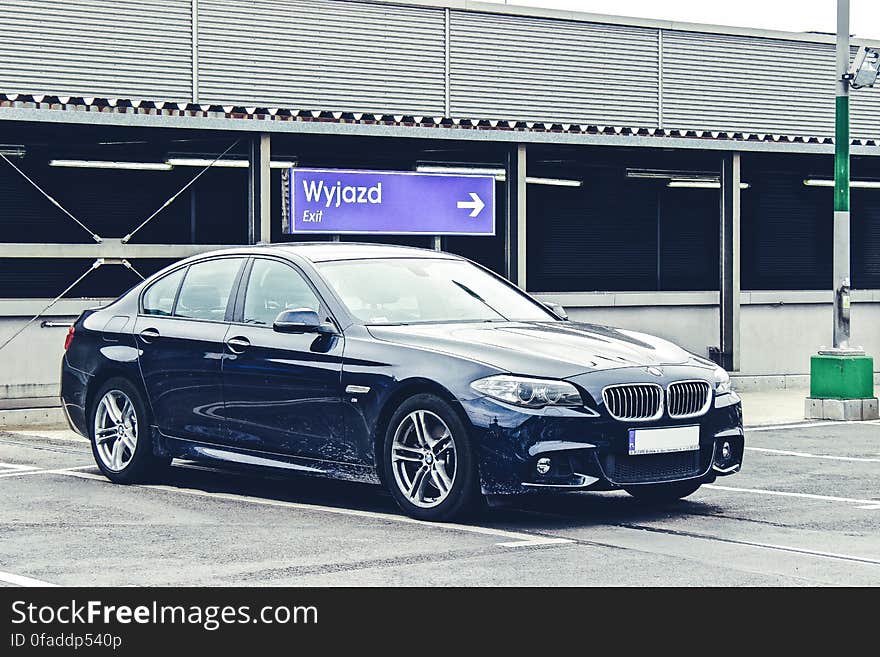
point(381, 58)
point(534, 69)
point(750, 84)
point(118, 48)
point(322, 54)
point(864, 116)
point(747, 84)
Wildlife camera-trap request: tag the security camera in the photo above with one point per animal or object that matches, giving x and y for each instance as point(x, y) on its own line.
point(865, 67)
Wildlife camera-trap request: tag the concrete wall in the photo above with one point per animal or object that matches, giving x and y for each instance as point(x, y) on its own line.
point(29, 365)
point(779, 330)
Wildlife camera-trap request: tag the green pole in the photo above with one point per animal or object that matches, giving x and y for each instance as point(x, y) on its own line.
point(841, 154)
point(841, 378)
point(841, 266)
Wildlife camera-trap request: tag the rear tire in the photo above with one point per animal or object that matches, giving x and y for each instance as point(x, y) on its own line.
point(430, 464)
point(119, 431)
point(664, 493)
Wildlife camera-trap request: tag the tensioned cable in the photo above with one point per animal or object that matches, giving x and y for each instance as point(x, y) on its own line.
point(129, 266)
point(182, 190)
point(97, 238)
point(12, 337)
point(52, 200)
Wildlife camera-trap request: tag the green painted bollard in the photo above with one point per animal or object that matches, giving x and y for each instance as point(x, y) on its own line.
point(841, 377)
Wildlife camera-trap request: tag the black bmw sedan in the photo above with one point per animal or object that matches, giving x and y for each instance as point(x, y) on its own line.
point(416, 369)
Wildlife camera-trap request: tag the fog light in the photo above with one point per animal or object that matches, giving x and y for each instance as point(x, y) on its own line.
point(543, 466)
point(726, 451)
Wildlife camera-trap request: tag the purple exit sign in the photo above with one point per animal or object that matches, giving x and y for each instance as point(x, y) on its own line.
point(390, 202)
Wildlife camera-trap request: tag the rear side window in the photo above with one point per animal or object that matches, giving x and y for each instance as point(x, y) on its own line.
point(206, 289)
point(159, 297)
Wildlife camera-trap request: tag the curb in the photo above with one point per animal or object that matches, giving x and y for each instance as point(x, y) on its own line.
point(841, 409)
point(52, 417)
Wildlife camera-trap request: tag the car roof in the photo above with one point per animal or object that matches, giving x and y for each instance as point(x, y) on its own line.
point(325, 251)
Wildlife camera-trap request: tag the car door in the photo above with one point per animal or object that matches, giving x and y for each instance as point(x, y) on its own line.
point(180, 332)
point(281, 389)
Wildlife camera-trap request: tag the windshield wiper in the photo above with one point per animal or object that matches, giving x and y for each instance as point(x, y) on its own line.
point(478, 298)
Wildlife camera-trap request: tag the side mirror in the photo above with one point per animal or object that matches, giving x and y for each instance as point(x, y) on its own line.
point(301, 320)
point(556, 309)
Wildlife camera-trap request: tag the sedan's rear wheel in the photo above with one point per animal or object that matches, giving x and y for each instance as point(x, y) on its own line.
point(116, 430)
point(120, 434)
point(430, 467)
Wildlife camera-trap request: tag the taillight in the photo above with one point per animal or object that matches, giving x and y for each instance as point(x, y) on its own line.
point(69, 338)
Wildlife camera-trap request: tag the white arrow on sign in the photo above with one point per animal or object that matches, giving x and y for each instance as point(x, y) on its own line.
point(476, 205)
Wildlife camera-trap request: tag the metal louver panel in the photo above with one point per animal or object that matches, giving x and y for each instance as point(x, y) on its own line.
point(787, 231)
point(553, 71)
point(747, 84)
point(750, 84)
point(864, 111)
point(322, 54)
point(864, 116)
point(106, 48)
point(866, 239)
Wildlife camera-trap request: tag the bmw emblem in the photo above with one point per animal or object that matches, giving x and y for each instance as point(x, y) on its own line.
point(655, 371)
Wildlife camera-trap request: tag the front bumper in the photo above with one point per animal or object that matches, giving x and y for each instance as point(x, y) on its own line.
point(591, 452)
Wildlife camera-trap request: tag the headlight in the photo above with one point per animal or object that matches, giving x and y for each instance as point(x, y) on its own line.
point(722, 381)
point(531, 393)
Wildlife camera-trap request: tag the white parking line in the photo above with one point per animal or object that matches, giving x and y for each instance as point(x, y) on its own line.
point(515, 539)
point(807, 425)
point(25, 473)
point(21, 580)
point(14, 467)
point(52, 434)
point(807, 455)
point(867, 504)
point(781, 548)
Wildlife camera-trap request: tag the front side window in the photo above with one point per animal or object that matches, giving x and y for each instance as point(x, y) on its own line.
point(274, 286)
point(427, 290)
point(206, 289)
point(159, 297)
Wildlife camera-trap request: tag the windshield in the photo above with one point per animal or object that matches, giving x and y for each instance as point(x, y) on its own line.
point(423, 290)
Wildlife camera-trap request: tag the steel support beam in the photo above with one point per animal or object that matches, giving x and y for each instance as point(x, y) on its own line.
point(109, 248)
point(259, 190)
point(515, 216)
point(729, 261)
point(95, 116)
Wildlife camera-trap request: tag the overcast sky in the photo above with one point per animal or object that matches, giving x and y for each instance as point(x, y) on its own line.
point(792, 15)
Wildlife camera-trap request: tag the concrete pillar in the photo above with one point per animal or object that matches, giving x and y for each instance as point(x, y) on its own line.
point(259, 190)
point(729, 261)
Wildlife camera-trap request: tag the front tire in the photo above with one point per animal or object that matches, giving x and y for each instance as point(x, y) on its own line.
point(429, 460)
point(119, 431)
point(664, 493)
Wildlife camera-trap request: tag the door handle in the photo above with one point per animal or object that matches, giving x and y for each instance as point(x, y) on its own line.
point(149, 334)
point(238, 344)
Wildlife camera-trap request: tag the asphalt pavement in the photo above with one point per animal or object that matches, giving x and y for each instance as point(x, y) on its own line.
point(805, 510)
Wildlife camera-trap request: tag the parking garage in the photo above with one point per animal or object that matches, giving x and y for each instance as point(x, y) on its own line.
point(670, 195)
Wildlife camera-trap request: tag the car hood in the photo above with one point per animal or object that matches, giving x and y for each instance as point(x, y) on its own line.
point(552, 349)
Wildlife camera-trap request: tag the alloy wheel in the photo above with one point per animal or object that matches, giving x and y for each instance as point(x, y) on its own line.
point(423, 458)
point(116, 430)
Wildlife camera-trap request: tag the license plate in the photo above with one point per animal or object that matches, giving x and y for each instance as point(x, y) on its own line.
point(661, 441)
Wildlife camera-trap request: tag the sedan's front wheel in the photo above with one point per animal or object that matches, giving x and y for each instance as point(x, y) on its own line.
point(429, 462)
